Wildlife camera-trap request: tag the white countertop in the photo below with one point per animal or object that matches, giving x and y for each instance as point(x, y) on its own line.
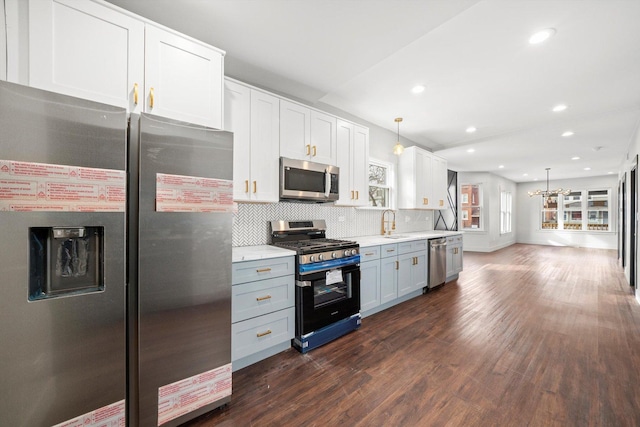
point(252, 253)
point(376, 240)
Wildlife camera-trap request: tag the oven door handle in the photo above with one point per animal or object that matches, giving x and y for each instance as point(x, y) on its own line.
point(328, 265)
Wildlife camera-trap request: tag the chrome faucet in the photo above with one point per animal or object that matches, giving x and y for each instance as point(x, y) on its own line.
point(392, 221)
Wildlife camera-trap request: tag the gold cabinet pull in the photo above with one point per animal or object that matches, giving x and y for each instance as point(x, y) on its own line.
point(151, 97)
point(255, 187)
point(391, 250)
point(357, 195)
point(397, 265)
point(262, 334)
point(352, 194)
point(369, 254)
point(246, 185)
point(135, 93)
point(263, 270)
point(308, 149)
point(266, 297)
point(441, 202)
point(315, 153)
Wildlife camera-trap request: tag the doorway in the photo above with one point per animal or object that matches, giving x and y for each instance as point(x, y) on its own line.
point(633, 225)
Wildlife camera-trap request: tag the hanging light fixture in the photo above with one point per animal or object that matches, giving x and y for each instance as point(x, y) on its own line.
point(398, 148)
point(548, 194)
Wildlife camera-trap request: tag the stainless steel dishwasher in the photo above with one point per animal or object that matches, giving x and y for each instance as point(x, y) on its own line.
point(437, 262)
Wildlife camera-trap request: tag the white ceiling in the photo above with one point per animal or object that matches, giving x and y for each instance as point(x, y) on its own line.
point(364, 56)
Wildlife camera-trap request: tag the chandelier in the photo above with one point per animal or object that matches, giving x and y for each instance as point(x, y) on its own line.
point(548, 194)
point(398, 148)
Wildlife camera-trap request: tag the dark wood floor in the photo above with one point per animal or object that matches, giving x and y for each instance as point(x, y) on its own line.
point(528, 336)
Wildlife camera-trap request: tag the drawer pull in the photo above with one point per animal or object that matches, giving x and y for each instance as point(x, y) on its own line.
point(263, 270)
point(262, 334)
point(266, 297)
point(369, 253)
point(151, 98)
point(391, 250)
point(397, 265)
point(135, 93)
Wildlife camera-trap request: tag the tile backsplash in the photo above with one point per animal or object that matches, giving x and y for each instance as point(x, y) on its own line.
point(251, 222)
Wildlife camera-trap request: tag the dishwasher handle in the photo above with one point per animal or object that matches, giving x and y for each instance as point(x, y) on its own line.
point(437, 242)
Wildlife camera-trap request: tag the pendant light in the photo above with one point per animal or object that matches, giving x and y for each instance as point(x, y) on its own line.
point(398, 148)
point(548, 194)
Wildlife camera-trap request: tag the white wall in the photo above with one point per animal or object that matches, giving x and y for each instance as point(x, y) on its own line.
point(529, 215)
point(489, 239)
point(3, 42)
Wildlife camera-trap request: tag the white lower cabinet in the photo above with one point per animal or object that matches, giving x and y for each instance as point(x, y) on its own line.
point(454, 257)
point(391, 274)
point(369, 278)
point(262, 309)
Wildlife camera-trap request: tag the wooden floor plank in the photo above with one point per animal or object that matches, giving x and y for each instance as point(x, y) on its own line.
point(527, 336)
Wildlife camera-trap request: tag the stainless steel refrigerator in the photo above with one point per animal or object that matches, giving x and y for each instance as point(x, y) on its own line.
point(115, 264)
point(179, 269)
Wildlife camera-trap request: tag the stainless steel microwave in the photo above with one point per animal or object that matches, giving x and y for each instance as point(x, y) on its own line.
point(305, 181)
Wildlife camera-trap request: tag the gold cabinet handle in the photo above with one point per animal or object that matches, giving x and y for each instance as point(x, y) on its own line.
point(266, 297)
point(262, 334)
point(357, 195)
point(246, 185)
point(352, 194)
point(151, 97)
point(441, 202)
point(308, 149)
point(255, 187)
point(135, 93)
point(263, 270)
point(391, 250)
point(315, 153)
point(397, 265)
point(369, 254)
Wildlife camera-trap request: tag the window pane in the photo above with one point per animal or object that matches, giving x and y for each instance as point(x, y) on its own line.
point(598, 210)
point(378, 196)
point(550, 213)
point(471, 206)
point(377, 174)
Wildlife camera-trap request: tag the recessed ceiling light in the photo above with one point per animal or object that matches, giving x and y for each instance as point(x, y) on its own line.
point(567, 133)
point(471, 129)
point(471, 150)
point(587, 168)
point(575, 158)
point(535, 179)
point(610, 173)
point(541, 36)
point(418, 89)
point(525, 174)
point(501, 167)
point(559, 107)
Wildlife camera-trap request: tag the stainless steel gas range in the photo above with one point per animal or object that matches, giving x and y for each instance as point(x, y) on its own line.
point(327, 281)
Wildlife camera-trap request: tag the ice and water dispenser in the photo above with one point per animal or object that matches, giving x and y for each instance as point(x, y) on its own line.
point(65, 261)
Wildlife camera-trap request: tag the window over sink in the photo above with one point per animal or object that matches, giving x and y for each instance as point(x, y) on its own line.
point(380, 184)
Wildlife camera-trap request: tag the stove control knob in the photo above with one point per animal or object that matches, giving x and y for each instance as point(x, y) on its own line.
point(347, 252)
point(334, 255)
point(353, 252)
point(320, 257)
point(312, 258)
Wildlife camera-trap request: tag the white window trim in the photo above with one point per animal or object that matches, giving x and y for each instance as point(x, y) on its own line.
point(506, 196)
point(391, 185)
point(584, 208)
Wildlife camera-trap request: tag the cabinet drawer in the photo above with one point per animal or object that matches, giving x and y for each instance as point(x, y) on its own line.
point(254, 299)
point(412, 246)
point(369, 253)
point(250, 271)
point(388, 250)
point(454, 240)
point(257, 334)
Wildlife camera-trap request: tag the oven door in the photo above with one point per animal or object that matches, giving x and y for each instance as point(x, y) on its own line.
point(326, 296)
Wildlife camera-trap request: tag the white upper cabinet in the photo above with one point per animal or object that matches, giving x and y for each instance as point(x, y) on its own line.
point(353, 161)
point(307, 134)
point(295, 130)
point(421, 180)
point(94, 50)
point(323, 138)
point(183, 78)
point(253, 117)
point(87, 50)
